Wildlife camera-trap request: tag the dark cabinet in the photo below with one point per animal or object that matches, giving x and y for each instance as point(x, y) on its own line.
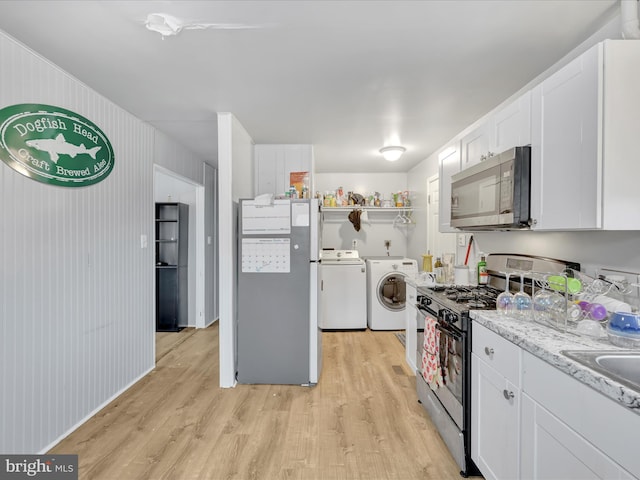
point(172, 235)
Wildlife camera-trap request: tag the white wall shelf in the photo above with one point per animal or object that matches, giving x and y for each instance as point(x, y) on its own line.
point(368, 208)
point(402, 215)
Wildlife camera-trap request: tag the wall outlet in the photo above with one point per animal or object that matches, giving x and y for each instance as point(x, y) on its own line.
point(462, 240)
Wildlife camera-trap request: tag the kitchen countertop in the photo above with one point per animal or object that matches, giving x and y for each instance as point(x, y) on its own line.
point(546, 343)
point(416, 282)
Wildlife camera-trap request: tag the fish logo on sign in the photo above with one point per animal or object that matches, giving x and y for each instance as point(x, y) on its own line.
point(53, 145)
point(59, 146)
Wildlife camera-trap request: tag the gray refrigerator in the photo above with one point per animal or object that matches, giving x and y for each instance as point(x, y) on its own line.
point(278, 337)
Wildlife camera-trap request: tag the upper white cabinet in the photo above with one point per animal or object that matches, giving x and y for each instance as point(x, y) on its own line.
point(508, 127)
point(511, 125)
point(449, 163)
point(475, 145)
point(274, 163)
point(584, 142)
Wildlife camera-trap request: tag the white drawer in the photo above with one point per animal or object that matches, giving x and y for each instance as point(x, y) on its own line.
point(494, 350)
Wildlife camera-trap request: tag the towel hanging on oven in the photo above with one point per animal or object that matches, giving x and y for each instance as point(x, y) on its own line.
point(431, 371)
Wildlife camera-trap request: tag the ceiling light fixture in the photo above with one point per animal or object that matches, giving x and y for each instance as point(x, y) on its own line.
point(164, 24)
point(168, 25)
point(392, 153)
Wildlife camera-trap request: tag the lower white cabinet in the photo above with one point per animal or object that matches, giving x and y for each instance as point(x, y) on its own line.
point(495, 406)
point(569, 430)
point(530, 420)
point(552, 450)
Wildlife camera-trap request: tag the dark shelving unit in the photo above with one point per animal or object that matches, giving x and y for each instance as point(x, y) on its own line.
point(172, 240)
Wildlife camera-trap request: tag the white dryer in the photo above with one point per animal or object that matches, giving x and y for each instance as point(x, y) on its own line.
point(343, 290)
point(386, 291)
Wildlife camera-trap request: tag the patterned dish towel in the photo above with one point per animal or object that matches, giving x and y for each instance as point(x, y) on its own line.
point(431, 371)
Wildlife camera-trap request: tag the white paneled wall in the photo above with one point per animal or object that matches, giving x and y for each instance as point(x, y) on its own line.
point(76, 288)
point(177, 158)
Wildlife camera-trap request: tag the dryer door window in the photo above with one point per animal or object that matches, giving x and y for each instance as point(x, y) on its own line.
point(392, 291)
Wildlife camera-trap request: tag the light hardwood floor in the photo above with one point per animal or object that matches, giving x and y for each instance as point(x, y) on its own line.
point(362, 420)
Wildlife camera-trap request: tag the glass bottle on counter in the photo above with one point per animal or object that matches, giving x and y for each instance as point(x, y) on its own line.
point(483, 275)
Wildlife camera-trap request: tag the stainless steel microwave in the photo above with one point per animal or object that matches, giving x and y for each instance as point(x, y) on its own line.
point(493, 194)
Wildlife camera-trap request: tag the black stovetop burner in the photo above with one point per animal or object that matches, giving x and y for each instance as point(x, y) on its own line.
point(473, 297)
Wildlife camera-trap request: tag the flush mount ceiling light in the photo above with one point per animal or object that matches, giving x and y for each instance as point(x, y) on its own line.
point(392, 153)
point(168, 25)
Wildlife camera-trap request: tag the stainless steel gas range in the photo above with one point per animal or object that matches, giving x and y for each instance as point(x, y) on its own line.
point(449, 403)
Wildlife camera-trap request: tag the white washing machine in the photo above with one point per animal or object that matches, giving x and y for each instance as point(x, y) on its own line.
point(386, 291)
point(344, 290)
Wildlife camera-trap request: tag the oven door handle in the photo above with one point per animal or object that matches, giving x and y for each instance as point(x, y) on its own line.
point(449, 331)
point(427, 311)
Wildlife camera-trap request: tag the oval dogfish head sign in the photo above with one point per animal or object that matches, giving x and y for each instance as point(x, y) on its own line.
point(53, 145)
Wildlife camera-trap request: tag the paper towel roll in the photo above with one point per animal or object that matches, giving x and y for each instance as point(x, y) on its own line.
point(461, 275)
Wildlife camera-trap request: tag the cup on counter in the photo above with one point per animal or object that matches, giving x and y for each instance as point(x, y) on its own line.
point(448, 261)
point(461, 275)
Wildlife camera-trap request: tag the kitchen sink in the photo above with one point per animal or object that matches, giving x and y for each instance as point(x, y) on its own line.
point(622, 366)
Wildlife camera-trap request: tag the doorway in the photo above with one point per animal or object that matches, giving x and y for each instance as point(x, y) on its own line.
point(171, 187)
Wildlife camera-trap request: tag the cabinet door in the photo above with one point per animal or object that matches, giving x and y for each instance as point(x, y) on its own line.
point(621, 117)
point(476, 145)
point(511, 126)
point(566, 190)
point(552, 450)
point(494, 422)
point(449, 163)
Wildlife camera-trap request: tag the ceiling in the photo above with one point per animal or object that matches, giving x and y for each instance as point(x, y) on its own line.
point(348, 77)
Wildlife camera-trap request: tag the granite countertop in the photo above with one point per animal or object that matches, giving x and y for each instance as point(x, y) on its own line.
point(546, 343)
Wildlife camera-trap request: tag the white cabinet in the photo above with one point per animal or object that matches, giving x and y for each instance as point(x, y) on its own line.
point(570, 431)
point(584, 142)
point(274, 163)
point(476, 145)
point(410, 337)
point(495, 404)
point(530, 420)
point(511, 125)
point(506, 128)
point(448, 164)
point(551, 450)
